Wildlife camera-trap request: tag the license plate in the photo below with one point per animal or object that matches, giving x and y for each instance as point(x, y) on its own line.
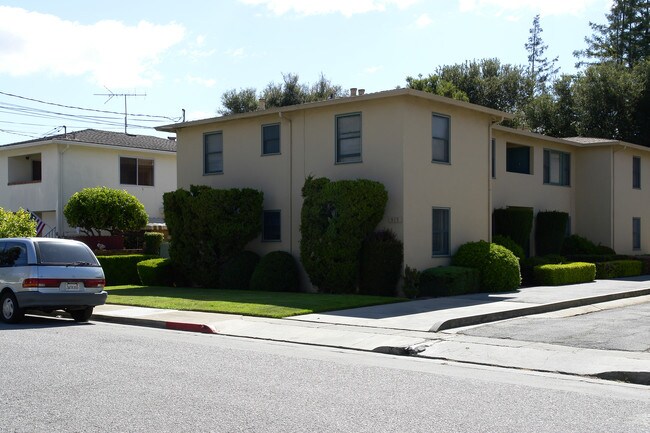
point(71, 286)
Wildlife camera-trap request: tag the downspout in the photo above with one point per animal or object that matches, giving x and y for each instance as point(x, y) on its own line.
point(613, 198)
point(59, 206)
point(290, 180)
point(489, 174)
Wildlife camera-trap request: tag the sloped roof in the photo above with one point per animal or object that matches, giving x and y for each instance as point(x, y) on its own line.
point(106, 138)
point(590, 140)
point(337, 101)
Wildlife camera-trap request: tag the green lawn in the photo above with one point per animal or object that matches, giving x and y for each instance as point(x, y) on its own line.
point(244, 302)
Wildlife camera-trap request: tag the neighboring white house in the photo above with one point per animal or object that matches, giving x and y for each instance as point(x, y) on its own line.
point(41, 175)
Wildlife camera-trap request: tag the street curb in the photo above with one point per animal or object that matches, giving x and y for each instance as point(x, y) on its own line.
point(159, 324)
point(538, 309)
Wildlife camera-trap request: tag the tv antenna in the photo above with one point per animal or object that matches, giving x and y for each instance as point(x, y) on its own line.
point(111, 95)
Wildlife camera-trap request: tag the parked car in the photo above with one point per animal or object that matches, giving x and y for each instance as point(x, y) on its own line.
point(47, 275)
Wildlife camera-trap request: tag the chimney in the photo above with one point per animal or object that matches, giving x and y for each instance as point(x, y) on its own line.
point(353, 91)
point(262, 104)
point(362, 92)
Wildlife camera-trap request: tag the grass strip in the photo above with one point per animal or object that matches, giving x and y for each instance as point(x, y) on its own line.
point(243, 302)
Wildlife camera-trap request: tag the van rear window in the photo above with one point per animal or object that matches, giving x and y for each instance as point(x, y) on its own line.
point(57, 253)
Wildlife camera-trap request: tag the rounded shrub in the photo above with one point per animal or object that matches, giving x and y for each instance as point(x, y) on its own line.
point(381, 263)
point(276, 272)
point(498, 267)
point(156, 272)
point(152, 241)
point(513, 246)
point(236, 273)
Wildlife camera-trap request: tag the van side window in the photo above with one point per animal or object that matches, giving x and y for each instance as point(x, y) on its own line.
point(13, 254)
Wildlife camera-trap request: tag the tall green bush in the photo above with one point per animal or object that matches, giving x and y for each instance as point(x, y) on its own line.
point(513, 246)
point(497, 266)
point(335, 219)
point(382, 255)
point(515, 223)
point(208, 227)
point(550, 231)
point(236, 273)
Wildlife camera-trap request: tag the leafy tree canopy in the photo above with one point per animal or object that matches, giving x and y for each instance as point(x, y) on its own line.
point(16, 224)
point(102, 208)
point(288, 92)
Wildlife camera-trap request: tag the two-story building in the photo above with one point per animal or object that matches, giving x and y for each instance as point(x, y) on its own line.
point(41, 175)
point(446, 165)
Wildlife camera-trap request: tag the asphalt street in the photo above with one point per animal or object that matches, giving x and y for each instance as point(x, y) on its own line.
point(626, 328)
point(65, 377)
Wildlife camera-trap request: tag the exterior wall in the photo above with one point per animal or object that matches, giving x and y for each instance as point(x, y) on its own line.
point(81, 167)
point(84, 167)
point(630, 202)
point(36, 196)
point(529, 190)
point(594, 195)
point(461, 185)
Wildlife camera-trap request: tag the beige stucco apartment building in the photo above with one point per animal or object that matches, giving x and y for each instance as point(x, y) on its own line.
point(41, 175)
point(446, 165)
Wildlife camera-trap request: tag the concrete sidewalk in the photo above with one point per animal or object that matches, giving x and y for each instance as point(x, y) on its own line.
point(416, 328)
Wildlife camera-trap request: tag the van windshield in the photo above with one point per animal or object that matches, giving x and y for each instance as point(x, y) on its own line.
point(63, 253)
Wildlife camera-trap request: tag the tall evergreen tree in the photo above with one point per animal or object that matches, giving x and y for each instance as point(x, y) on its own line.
point(624, 40)
point(540, 68)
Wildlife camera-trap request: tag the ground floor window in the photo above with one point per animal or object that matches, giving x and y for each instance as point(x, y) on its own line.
point(271, 227)
point(636, 233)
point(440, 231)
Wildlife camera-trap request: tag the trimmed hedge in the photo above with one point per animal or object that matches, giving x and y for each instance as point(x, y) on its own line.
point(236, 273)
point(550, 231)
point(276, 272)
point(152, 241)
point(569, 273)
point(578, 245)
point(449, 281)
point(156, 272)
point(335, 219)
point(122, 269)
point(527, 266)
point(643, 259)
point(619, 268)
point(382, 255)
point(595, 258)
point(516, 223)
point(498, 267)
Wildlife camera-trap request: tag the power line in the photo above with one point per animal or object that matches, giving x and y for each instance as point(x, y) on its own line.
point(85, 109)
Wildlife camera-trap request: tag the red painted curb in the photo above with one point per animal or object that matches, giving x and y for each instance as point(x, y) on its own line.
point(191, 327)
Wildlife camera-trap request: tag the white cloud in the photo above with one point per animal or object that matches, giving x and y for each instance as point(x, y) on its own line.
point(237, 53)
point(346, 8)
point(543, 7)
point(373, 69)
point(206, 82)
point(423, 21)
point(195, 50)
point(109, 52)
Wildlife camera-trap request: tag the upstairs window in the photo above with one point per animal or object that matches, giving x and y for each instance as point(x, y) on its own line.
point(636, 172)
point(439, 138)
point(518, 159)
point(136, 171)
point(24, 169)
point(213, 153)
point(271, 139)
point(494, 159)
point(348, 138)
point(557, 168)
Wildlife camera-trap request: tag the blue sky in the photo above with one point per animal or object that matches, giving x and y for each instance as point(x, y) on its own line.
point(185, 54)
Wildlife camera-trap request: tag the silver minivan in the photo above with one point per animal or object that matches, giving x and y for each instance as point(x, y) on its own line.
point(49, 274)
